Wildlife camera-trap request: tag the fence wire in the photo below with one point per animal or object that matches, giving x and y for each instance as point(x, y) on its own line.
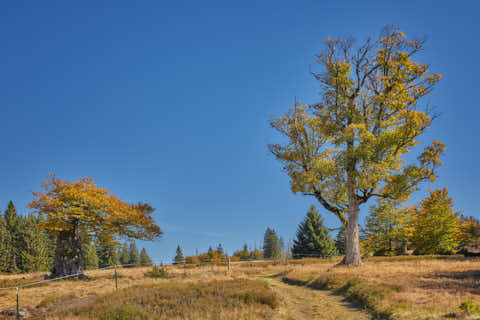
point(183, 262)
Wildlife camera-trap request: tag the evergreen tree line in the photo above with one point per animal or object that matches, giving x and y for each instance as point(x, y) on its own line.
point(25, 247)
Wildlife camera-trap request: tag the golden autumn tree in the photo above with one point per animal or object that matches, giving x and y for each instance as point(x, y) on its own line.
point(387, 229)
point(349, 147)
point(436, 225)
point(78, 210)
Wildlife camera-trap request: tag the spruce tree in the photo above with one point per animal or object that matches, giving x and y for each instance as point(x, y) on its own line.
point(271, 245)
point(179, 256)
point(281, 244)
point(12, 221)
point(4, 249)
point(144, 258)
point(33, 246)
point(340, 241)
point(220, 249)
point(124, 254)
point(134, 255)
point(90, 257)
point(313, 239)
point(107, 255)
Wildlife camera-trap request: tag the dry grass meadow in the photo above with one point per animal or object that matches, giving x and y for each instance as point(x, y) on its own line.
point(395, 288)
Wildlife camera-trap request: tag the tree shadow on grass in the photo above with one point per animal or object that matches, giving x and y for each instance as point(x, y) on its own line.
point(453, 282)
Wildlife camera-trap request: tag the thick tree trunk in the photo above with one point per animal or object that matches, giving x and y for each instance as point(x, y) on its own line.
point(352, 239)
point(68, 254)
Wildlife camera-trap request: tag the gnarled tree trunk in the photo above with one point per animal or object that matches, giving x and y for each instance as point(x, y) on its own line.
point(68, 253)
point(352, 239)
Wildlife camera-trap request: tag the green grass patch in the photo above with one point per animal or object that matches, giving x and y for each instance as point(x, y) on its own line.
point(470, 307)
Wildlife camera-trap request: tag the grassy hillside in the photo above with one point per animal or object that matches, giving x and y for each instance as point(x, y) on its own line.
point(398, 288)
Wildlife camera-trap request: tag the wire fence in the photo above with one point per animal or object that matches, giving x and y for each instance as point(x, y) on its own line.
point(227, 261)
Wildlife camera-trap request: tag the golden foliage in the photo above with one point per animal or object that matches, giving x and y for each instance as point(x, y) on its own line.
point(369, 117)
point(66, 205)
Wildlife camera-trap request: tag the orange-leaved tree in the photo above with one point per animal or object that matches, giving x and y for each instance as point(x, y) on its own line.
point(79, 210)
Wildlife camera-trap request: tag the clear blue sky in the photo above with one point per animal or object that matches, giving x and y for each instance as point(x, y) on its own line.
point(167, 102)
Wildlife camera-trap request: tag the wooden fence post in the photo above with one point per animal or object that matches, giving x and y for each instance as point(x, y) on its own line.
point(17, 314)
point(116, 278)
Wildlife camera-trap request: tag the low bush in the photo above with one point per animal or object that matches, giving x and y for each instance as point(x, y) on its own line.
point(470, 307)
point(157, 272)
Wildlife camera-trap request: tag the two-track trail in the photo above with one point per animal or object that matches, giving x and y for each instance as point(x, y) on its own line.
point(303, 303)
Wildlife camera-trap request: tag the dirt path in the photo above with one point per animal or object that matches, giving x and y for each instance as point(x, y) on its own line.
point(304, 303)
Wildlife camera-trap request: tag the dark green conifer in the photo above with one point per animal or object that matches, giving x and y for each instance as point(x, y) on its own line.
point(124, 254)
point(313, 238)
point(271, 245)
point(144, 258)
point(12, 221)
point(90, 257)
point(340, 241)
point(4, 249)
point(134, 255)
point(32, 246)
point(179, 256)
point(107, 255)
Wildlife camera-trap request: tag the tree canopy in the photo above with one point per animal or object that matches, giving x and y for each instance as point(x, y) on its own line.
point(349, 147)
point(65, 204)
point(79, 210)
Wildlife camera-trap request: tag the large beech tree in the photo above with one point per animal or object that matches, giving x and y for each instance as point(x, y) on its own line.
point(349, 147)
point(78, 210)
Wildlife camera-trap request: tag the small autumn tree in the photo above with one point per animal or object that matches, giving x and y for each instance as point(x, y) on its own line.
point(74, 209)
point(387, 228)
point(436, 226)
point(470, 234)
point(349, 147)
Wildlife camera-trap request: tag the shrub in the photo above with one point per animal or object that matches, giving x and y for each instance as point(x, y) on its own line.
point(157, 272)
point(470, 307)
